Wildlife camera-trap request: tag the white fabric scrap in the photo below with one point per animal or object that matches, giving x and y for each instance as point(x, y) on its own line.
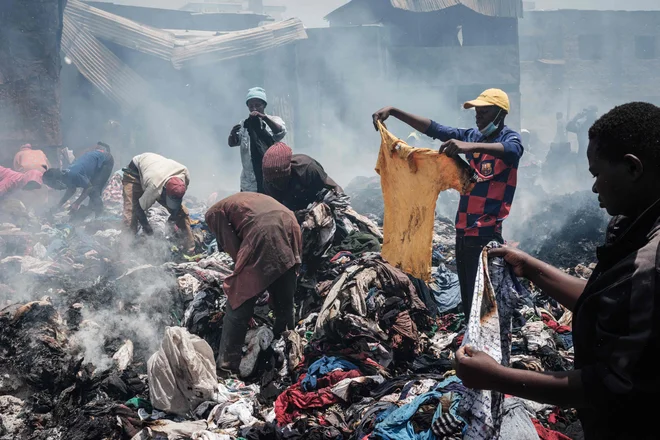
point(340, 389)
point(492, 308)
point(234, 390)
point(188, 285)
point(124, 356)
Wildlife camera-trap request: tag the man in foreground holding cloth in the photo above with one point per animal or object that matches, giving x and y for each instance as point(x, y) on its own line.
point(90, 172)
point(616, 313)
point(294, 180)
point(264, 240)
point(255, 135)
point(151, 178)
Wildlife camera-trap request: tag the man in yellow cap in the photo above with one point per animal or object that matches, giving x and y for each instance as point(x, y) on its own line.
point(493, 151)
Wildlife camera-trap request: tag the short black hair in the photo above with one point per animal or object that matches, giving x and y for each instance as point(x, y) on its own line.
point(103, 145)
point(51, 175)
point(632, 128)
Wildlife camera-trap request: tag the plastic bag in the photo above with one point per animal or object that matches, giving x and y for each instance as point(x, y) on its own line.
point(182, 373)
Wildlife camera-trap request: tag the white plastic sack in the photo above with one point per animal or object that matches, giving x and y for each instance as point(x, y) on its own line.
point(171, 430)
point(182, 373)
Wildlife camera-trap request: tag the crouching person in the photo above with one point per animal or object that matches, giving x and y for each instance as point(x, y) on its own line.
point(294, 180)
point(151, 178)
point(90, 172)
point(265, 242)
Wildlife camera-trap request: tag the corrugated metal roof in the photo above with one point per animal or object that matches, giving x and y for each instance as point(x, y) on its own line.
point(493, 8)
point(120, 30)
point(238, 44)
point(86, 26)
point(179, 49)
point(101, 67)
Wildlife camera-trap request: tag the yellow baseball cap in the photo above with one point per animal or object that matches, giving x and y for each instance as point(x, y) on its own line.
point(490, 97)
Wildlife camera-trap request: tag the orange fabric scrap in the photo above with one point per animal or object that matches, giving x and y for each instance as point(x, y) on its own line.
point(411, 180)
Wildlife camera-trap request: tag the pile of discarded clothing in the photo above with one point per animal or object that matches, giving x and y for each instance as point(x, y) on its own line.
point(99, 344)
point(565, 230)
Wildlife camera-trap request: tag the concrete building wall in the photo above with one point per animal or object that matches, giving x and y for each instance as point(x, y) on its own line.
point(572, 59)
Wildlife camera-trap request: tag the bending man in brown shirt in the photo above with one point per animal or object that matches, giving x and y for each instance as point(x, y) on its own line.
point(264, 240)
point(294, 180)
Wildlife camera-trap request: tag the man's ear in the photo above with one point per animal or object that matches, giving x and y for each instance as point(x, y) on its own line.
point(634, 166)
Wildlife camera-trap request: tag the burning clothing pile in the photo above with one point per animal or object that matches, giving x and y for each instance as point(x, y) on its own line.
point(95, 343)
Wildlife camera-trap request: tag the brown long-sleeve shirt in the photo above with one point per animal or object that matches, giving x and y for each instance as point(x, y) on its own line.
point(262, 237)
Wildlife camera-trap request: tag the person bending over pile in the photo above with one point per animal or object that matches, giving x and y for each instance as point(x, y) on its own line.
point(493, 151)
point(294, 180)
point(616, 313)
point(264, 240)
point(151, 178)
point(91, 172)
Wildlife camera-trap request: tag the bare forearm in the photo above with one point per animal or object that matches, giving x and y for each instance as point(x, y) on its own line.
point(419, 123)
point(555, 283)
point(67, 195)
point(83, 196)
point(557, 388)
point(496, 150)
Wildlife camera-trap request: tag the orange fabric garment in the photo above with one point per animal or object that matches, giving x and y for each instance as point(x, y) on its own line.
point(28, 159)
point(411, 179)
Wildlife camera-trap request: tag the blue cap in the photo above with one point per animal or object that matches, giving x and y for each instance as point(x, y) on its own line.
point(258, 93)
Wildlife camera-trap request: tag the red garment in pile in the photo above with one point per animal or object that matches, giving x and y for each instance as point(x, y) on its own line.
point(291, 403)
point(548, 434)
point(554, 325)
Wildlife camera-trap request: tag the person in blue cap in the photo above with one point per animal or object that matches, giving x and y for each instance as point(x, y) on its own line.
point(255, 135)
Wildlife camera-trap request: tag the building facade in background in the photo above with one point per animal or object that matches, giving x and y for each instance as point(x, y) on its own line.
point(571, 59)
point(447, 55)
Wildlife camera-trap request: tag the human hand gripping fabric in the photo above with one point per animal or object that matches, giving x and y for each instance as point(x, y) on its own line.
point(515, 257)
point(476, 369)
point(380, 116)
point(454, 147)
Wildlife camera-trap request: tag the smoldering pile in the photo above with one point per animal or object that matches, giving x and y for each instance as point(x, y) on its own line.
point(566, 231)
point(123, 346)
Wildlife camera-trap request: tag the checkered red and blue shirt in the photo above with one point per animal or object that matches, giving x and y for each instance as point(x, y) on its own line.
point(482, 211)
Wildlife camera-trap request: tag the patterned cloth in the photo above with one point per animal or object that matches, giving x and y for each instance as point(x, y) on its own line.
point(482, 211)
point(497, 293)
point(112, 194)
